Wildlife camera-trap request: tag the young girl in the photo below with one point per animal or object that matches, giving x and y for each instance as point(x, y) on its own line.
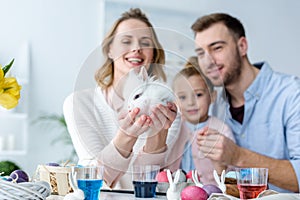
point(194, 95)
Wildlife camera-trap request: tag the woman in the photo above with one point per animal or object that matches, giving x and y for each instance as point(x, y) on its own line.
point(91, 114)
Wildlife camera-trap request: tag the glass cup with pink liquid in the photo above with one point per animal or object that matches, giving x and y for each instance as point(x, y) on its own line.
point(251, 181)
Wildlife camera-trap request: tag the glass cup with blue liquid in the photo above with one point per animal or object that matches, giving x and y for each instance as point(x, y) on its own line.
point(144, 180)
point(89, 180)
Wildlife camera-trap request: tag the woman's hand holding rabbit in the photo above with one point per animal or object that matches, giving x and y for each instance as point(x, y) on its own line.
point(133, 126)
point(130, 128)
point(163, 116)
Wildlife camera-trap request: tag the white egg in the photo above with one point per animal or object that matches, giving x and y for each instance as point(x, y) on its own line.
point(76, 195)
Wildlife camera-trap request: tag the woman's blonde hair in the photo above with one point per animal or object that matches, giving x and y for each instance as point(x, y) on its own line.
point(104, 75)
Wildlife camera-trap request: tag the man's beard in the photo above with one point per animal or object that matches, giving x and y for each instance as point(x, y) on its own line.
point(234, 70)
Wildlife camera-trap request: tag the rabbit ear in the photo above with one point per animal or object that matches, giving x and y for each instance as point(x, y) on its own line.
point(196, 179)
point(177, 176)
point(223, 177)
point(169, 175)
point(221, 184)
point(143, 73)
point(194, 176)
point(72, 178)
point(216, 176)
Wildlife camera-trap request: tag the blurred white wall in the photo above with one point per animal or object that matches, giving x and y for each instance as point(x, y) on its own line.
point(62, 34)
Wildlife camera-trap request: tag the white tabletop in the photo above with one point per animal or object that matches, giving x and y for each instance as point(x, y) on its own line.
point(112, 196)
point(124, 196)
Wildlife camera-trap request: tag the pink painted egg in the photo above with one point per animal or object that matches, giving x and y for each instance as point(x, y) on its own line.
point(193, 193)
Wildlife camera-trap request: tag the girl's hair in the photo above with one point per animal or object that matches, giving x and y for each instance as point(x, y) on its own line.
point(104, 75)
point(192, 62)
point(191, 71)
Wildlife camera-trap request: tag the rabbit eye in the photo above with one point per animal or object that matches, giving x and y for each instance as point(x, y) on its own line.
point(136, 96)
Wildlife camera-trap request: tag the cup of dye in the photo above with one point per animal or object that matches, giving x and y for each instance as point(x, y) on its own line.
point(143, 180)
point(251, 181)
point(89, 180)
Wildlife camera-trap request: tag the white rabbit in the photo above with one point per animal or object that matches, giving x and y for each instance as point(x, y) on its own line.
point(144, 92)
point(220, 181)
point(173, 192)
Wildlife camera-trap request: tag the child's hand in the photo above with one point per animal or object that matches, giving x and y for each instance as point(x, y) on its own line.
point(203, 131)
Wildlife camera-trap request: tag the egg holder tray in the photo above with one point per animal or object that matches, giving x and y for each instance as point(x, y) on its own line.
point(27, 190)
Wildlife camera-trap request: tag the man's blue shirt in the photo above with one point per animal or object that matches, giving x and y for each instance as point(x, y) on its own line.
point(271, 124)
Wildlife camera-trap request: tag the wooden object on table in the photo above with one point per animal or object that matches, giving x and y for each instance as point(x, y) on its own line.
point(231, 187)
point(57, 177)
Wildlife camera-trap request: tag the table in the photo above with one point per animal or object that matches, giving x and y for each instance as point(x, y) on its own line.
point(125, 196)
point(110, 195)
point(115, 195)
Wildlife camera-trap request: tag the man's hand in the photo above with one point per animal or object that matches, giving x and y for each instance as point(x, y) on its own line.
point(216, 146)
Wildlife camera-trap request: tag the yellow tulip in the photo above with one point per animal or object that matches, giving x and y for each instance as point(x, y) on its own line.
point(8, 101)
point(9, 91)
point(1, 72)
point(11, 86)
point(1, 80)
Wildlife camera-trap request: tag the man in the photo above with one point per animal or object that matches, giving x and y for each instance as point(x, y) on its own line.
point(263, 106)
